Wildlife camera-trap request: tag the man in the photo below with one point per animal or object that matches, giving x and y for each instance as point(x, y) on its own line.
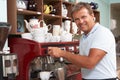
point(97, 53)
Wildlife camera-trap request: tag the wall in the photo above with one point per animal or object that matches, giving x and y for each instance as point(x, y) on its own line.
point(114, 1)
point(115, 19)
point(3, 11)
point(104, 8)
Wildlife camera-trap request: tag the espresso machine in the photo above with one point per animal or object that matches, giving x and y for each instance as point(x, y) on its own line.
point(8, 62)
point(29, 50)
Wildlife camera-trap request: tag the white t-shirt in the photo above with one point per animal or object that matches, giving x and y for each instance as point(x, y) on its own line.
point(101, 38)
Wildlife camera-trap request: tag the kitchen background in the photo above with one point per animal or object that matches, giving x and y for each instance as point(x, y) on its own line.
point(109, 15)
point(107, 10)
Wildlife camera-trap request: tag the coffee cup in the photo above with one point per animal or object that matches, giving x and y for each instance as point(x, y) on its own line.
point(67, 25)
point(39, 38)
point(65, 36)
point(56, 30)
point(48, 9)
point(74, 28)
point(48, 37)
point(38, 34)
point(27, 36)
point(55, 39)
point(45, 75)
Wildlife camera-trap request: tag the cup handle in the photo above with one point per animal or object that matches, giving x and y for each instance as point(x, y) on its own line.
point(51, 73)
point(51, 8)
point(49, 27)
point(42, 21)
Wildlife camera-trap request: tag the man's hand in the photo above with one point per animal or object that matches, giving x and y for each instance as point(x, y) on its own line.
point(55, 52)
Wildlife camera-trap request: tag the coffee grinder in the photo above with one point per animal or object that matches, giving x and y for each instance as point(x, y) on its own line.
point(8, 62)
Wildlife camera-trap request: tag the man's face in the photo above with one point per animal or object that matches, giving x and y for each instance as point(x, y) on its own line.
point(84, 20)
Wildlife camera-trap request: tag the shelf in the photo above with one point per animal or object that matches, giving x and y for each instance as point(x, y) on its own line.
point(66, 18)
point(27, 12)
point(52, 16)
point(56, 19)
point(52, 19)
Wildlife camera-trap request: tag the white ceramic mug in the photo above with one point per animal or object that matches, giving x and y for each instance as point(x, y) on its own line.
point(48, 37)
point(55, 39)
point(38, 34)
point(65, 36)
point(39, 38)
point(74, 28)
point(45, 75)
point(67, 25)
point(27, 36)
point(56, 30)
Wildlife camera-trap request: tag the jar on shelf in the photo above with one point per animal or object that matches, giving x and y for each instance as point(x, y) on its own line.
point(32, 5)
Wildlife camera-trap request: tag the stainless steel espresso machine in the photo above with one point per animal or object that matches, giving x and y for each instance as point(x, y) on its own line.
point(8, 62)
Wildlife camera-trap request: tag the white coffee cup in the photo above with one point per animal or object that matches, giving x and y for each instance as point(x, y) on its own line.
point(56, 30)
point(39, 38)
point(55, 39)
point(48, 37)
point(65, 36)
point(67, 25)
point(45, 75)
point(74, 28)
point(38, 34)
point(27, 36)
point(38, 31)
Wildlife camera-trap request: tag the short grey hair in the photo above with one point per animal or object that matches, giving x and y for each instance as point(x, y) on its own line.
point(81, 5)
